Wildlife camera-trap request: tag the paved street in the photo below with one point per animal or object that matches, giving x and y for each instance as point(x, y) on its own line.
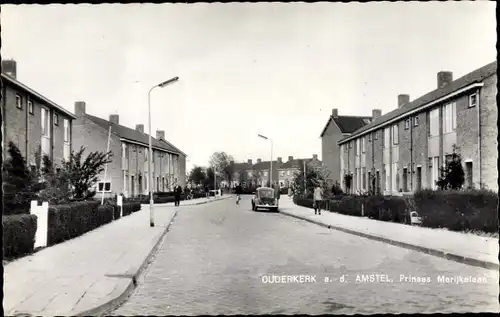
point(215, 256)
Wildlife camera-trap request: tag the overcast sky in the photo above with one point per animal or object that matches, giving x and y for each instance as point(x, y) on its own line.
point(245, 68)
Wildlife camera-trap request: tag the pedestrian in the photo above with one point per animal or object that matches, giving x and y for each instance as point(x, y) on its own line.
point(318, 199)
point(290, 192)
point(277, 193)
point(178, 192)
point(238, 194)
point(206, 191)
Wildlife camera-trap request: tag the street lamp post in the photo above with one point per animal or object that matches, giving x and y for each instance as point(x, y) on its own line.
point(271, 168)
point(150, 185)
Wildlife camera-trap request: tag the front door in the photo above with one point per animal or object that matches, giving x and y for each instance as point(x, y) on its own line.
point(419, 178)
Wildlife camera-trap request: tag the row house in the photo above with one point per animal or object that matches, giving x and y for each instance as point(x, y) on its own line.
point(403, 150)
point(288, 170)
point(249, 174)
point(128, 171)
point(32, 121)
point(337, 128)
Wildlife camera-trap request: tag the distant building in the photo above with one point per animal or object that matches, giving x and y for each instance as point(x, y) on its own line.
point(288, 170)
point(261, 172)
point(32, 121)
point(128, 173)
point(337, 128)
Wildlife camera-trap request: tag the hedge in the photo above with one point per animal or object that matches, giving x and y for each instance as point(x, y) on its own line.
point(458, 210)
point(387, 208)
point(18, 235)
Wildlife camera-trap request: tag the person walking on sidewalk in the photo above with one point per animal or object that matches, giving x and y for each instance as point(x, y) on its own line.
point(318, 199)
point(206, 191)
point(178, 192)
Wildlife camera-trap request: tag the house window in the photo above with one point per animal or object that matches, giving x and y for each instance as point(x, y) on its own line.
point(407, 124)
point(468, 174)
point(19, 102)
point(472, 100)
point(30, 107)
point(448, 158)
point(395, 134)
point(249, 174)
point(434, 122)
point(66, 130)
point(387, 137)
point(265, 173)
point(415, 120)
point(449, 117)
point(288, 173)
point(56, 119)
point(358, 147)
point(369, 137)
point(45, 122)
point(363, 145)
point(104, 186)
point(282, 173)
point(375, 135)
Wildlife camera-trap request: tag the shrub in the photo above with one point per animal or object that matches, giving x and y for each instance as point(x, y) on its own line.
point(18, 235)
point(304, 202)
point(387, 208)
point(72, 220)
point(347, 205)
point(458, 210)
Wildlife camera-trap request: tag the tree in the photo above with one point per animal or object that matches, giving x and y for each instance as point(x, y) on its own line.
point(314, 176)
point(221, 163)
point(57, 185)
point(348, 182)
point(337, 189)
point(452, 174)
point(197, 175)
point(20, 184)
point(83, 175)
point(209, 180)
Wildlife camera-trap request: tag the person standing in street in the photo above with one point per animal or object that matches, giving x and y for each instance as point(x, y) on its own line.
point(238, 194)
point(318, 199)
point(206, 191)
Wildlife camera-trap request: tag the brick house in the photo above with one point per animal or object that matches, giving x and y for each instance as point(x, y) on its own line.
point(288, 170)
point(128, 172)
point(337, 128)
point(404, 149)
point(242, 173)
point(32, 121)
point(260, 170)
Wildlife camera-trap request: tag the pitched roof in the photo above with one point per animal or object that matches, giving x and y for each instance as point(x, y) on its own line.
point(474, 77)
point(36, 94)
point(264, 165)
point(132, 135)
point(238, 167)
point(347, 124)
point(170, 144)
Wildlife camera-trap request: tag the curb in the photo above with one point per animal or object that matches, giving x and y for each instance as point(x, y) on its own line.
point(198, 203)
point(107, 307)
point(434, 252)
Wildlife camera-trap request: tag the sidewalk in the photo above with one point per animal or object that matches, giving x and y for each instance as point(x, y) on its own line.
point(465, 248)
point(196, 201)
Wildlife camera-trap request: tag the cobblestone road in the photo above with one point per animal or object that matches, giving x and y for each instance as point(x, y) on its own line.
point(215, 256)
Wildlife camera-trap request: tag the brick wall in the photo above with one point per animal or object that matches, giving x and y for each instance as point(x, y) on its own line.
point(489, 133)
point(330, 150)
point(24, 129)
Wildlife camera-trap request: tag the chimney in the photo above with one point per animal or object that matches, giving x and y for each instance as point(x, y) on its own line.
point(280, 160)
point(114, 118)
point(140, 127)
point(444, 78)
point(231, 162)
point(290, 158)
point(315, 157)
point(160, 134)
point(9, 67)
point(403, 100)
point(376, 113)
point(259, 160)
point(79, 108)
point(249, 162)
point(335, 113)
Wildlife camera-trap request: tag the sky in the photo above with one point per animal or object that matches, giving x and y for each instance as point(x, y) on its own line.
point(276, 69)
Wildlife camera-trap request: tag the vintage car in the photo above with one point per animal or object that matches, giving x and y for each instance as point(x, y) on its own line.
point(265, 198)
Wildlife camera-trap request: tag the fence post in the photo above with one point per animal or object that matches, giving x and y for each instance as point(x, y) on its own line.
point(42, 214)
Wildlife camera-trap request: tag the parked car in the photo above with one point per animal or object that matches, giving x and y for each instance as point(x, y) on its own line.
point(415, 219)
point(264, 198)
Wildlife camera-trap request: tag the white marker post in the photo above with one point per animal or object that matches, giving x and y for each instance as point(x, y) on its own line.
point(120, 203)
